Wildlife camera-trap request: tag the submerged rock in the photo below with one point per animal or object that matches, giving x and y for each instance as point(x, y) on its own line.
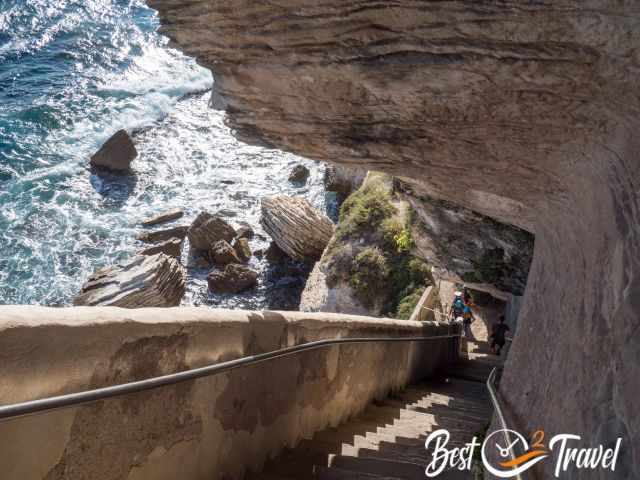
point(298, 229)
point(299, 174)
point(171, 247)
point(234, 279)
point(207, 229)
point(117, 153)
point(242, 248)
point(163, 235)
point(163, 217)
point(221, 253)
point(144, 281)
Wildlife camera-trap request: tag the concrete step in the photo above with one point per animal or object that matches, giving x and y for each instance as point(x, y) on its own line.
point(386, 441)
point(404, 470)
point(455, 408)
point(332, 473)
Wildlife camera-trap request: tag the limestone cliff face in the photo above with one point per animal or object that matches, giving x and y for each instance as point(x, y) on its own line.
point(528, 112)
point(467, 247)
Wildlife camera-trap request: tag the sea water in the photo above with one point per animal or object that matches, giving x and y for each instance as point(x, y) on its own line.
point(71, 74)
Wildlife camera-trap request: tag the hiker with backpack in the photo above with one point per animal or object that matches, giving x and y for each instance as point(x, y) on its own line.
point(457, 307)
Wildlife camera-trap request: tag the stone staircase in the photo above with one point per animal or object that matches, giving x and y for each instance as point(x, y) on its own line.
point(387, 440)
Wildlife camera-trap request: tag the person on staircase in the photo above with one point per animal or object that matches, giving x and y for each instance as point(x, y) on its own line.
point(467, 320)
point(457, 306)
point(498, 335)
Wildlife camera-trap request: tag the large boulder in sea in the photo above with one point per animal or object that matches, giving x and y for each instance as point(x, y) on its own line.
point(117, 153)
point(207, 229)
point(299, 174)
point(300, 230)
point(144, 281)
point(234, 279)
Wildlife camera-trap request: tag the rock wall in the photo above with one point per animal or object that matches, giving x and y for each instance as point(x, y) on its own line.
point(527, 112)
point(211, 428)
point(467, 247)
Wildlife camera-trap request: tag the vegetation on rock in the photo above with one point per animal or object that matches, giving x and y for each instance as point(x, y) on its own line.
point(408, 304)
point(369, 275)
point(371, 251)
point(365, 209)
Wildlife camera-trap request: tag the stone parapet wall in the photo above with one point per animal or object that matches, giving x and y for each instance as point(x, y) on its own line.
point(429, 306)
point(211, 428)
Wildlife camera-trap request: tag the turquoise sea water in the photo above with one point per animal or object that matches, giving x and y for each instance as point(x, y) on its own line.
point(71, 74)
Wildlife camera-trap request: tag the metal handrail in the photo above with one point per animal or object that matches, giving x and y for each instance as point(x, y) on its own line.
point(493, 394)
point(74, 399)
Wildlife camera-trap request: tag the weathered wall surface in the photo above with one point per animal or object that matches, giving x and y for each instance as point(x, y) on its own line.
point(527, 112)
point(211, 428)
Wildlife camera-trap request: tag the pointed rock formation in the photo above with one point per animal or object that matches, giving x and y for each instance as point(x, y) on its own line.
point(144, 281)
point(117, 153)
point(298, 229)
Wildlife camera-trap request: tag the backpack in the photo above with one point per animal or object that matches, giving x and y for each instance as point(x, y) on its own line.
point(458, 306)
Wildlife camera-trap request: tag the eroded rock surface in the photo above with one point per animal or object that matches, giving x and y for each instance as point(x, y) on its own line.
point(221, 253)
point(296, 227)
point(144, 281)
point(467, 247)
point(208, 229)
point(171, 247)
point(527, 112)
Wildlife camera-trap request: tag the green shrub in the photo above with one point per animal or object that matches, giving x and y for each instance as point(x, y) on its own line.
point(407, 305)
point(390, 228)
point(403, 240)
point(369, 275)
point(408, 274)
point(365, 208)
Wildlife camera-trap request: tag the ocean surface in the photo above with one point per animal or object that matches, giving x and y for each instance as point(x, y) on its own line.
point(71, 74)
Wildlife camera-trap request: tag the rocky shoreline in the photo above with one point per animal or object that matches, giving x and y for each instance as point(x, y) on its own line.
point(209, 243)
point(376, 260)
